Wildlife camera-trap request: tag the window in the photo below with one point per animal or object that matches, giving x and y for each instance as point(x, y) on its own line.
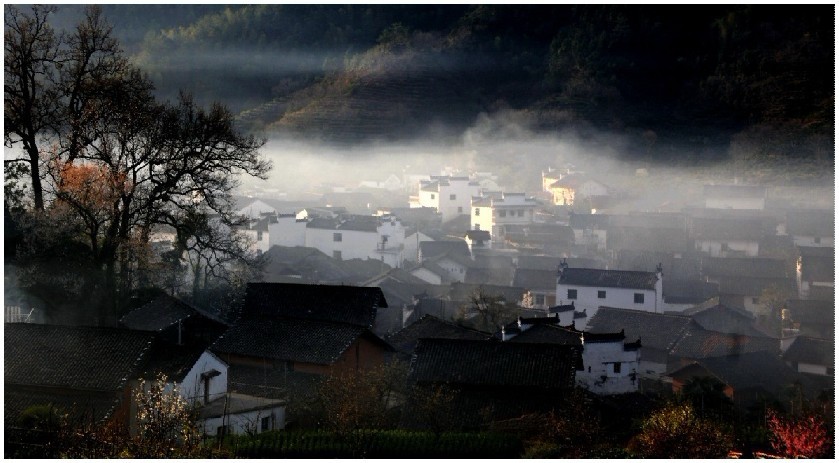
point(502, 213)
point(259, 235)
point(452, 197)
point(336, 255)
point(266, 424)
point(521, 212)
point(601, 294)
point(459, 210)
point(477, 226)
point(221, 431)
point(755, 300)
point(617, 368)
point(572, 294)
point(477, 211)
point(639, 298)
point(539, 299)
point(432, 196)
point(724, 246)
point(337, 237)
point(817, 240)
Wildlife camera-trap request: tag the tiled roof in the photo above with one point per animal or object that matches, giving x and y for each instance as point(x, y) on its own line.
point(762, 370)
point(649, 220)
point(431, 249)
point(755, 286)
point(734, 191)
point(269, 382)
point(344, 304)
point(756, 267)
point(80, 406)
point(688, 291)
point(608, 278)
point(161, 313)
point(817, 264)
point(728, 229)
point(810, 222)
point(492, 363)
point(73, 357)
point(236, 403)
point(535, 279)
point(431, 327)
point(699, 343)
point(811, 350)
point(348, 223)
point(478, 235)
point(658, 331)
point(464, 292)
point(588, 221)
point(296, 340)
point(562, 308)
point(489, 276)
point(548, 334)
point(538, 263)
point(671, 240)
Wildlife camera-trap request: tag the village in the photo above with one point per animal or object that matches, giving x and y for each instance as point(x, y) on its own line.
point(510, 299)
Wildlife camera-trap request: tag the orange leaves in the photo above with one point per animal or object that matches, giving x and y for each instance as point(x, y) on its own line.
point(91, 186)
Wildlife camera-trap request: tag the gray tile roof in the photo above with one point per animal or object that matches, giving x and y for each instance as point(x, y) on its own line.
point(296, 340)
point(535, 279)
point(656, 331)
point(270, 382)
point(734, 191)
point(810, 222)
point(432, 249)
point(671, 240)
point(688, 291)
point(489, 276)
point(80, 406)
point(163, 312)
point(589, 221)
point(755, 286)
point(548, 334)
point(431, 327)
point(344, 304)
point(608, 278)
point(729, 229)
point(697, 343)
point(73, 357)
point(755, 267)
point(494, 364)
point(811, 350)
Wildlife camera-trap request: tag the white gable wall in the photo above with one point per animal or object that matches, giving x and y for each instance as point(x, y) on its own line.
point(192, 386)
point(599, 376)
point(287, 232)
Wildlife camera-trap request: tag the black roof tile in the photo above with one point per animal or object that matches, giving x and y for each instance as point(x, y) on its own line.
point(608, 278)
point(811, 350)
point(163, 312)
point(344, 304)
point(657, 331)
point(431, 327)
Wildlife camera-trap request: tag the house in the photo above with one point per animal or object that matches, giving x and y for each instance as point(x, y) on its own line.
point(590, 230)
point(450, 196)
point(672, 241)
point(543, 238)
point(86, 372)
point(428, 326)
point(568, 315)
point(411, 249)
point(815, 267)
point(175, 321)
point(574, 189)
point(811, 227)
point(749, 378)
point(742, 280)
point(734, 196)
point(748, 293)
point(288, 230)
point(478, 240)
point(728, 237)
point(813, 317)
point(658, 334)
point(698, 343)
point(681, 295)
point(358, 237)
point(432, 249)
point(254, 208)
point(494, 210)
point(494, 380)
point(813, 356)
point(540, 286)
point(590, 289)
point(724, 319)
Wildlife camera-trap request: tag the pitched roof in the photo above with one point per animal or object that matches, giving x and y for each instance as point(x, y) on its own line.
point(464, 292)
point(817, 264)
point(671, 240)
point(728, 229)
point(698, 342)
point(491, 276)
point(657, 331)
point(431, 327)
point(608, 278)
point(297, 340)
point(478, 235)
point(535, 279)
point(161, 313)
point(755, 286)
point(756, 267)
point(491, 363)
point(73, 357)
point(80, 406)
point(543, 333)
point(677, 291)
point(814, 351)
point(588, 221)
point(344, 304)
point(431, 249)
point(272, 383)
point(538, 262)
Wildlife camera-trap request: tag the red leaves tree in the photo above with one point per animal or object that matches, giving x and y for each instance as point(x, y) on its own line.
point(803, 436)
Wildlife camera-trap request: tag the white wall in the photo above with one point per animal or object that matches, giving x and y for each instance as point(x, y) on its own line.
point(411, 245)
point(427, 276)
point(353, 245)
point(810, 241)
point(463, 192)
point(240, 423)
point(287, 232)
point(192, 387)
point(812, 369)
point(254, 209)
point(599, 359)
point(455, 270)
point(615, 297)
point(714, 247)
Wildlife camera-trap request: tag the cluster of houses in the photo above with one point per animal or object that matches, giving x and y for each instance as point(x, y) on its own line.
point(611, 302)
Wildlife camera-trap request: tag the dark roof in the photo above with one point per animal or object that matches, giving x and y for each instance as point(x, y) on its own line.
point(431, 327)
point(699, 343)
point(296, 340)
point(80, 406)
point(811, 350)
point(657, 331)
point(478, 235)
point(562, 308)
point(161, 313)
point(688, 291)
point(538, 263)
point(756, 267)
point(268, 382)
point(492, 363)
point(345, 304)
point(817, 264)
point(671, 240)
point(754, 286)
point(810, 222)
point(431, 249)
point(588, 221)
point(549, 334)
point(346, 222)
point(734, 191)
point(490, 276)
point(535, 279)
point(608, 278)
point(73, 357)
point(464, 292)
point(674, 220)
point(728, 229)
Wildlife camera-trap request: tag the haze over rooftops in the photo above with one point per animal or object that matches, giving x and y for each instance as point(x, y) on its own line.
point(608, 278)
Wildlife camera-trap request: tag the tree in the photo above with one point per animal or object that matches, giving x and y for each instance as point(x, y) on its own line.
point(166, 423)
point(676, 431)
point(491, 311)
point(802, 436)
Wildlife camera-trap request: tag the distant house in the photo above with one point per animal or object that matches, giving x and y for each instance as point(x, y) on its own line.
point(288, 230)
point(725, 319)
point(594, 288)
point(255, 208)
point(815, 267)
point(358, 237)
point(590, 230)
point(728, 237)
point(411, 250)
point(552, 239)
point(742, 280)
point(812, 356)
point(492, 211)
point(478, 240)
point(540, 285)
point(175, 321)
point(811, 227)
point(450, 196)
point(86, 372)
point(698, 343)
point(734, 196)
point(572, 189)
point(813, 317)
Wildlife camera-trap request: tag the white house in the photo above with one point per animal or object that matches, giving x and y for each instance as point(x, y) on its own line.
point(590, 289)
point(287, 231)
point(727, 237)
point(450, 196)
point(610, 366)
point(590, 230)
point(358, 237)
point(206, 380)
point(734, 196)
point(255, 209)
point(496, 209)
point(410, 251)
point(575, 187)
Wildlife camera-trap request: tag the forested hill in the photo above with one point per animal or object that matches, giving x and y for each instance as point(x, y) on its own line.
point(351, 73)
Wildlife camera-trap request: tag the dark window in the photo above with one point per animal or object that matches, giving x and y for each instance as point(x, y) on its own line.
point(477, 226)
point(817, 240)
point(259, 235)
point(477, 211)
point(601, 294)
point(539, 299)
point(502, 213)
point(639, 298)
point(459, 210)
point(336, 255)
point(755, 300)
point(266, 424)
point(337, 237)
point(521, 213)
point(724, 246)
point(572, 294)
point(617, 367)
point(221, 431)
point(432, 195)
point(452, 197)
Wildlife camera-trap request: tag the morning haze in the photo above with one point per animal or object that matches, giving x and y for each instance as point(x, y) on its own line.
point(419, 231)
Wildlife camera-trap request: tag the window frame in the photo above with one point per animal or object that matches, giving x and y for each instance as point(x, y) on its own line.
point(637, 296)
point(337, 237)
point(572, 294)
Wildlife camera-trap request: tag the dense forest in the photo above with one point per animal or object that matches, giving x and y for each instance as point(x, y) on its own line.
point(661, 75)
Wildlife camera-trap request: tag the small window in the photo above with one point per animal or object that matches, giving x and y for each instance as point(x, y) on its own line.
point(477, 211)
point(336, 237)
point(755, 300)
point(477, 226)
point(639, 298)
point(432, 196)
point(817, 240)
point(572, 294)
point(539, 299)
point(259, 235)
point(617, 368)
point(601, 294)
point(266, 424)
point(452, 197)
point(221, 431)
point(502, 213)
point(336, 255)
point(460, 210)
point(724, 246)
point(521, 213)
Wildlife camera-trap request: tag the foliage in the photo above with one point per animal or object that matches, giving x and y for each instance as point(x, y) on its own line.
point(805, 436)
point(380, 444)
point(677, 432)
point(491, 312)
point(707, 396)
point(166, 422)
